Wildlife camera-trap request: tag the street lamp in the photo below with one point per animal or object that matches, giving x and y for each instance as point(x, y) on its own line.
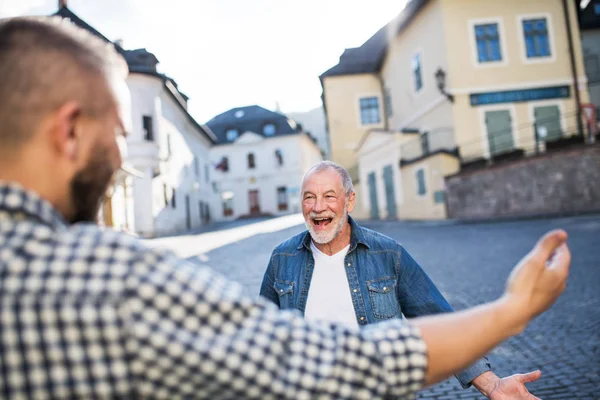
point(440, 77)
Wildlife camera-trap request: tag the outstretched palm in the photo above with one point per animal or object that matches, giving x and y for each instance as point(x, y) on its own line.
point(513, 387)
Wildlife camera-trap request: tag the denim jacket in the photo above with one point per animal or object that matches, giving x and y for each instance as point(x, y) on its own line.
point(385, 282)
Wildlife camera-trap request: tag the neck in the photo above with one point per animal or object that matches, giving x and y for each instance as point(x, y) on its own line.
point(338, 243)
point(32, 176)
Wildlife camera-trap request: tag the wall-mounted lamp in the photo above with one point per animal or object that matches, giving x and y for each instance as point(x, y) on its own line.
point(440, 77)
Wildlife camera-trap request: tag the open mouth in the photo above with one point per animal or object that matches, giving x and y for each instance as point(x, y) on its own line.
point(322, 222)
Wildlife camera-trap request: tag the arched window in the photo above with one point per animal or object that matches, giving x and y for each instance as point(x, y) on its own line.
point(251, 162)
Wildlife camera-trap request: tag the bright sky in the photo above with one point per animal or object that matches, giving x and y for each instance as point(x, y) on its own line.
point(230, 53)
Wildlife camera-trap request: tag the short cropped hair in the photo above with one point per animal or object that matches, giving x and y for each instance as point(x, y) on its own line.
point(46, 62)
point(342, 172)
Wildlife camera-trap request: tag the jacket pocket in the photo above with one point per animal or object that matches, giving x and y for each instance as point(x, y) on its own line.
point(382, 293)
point(285, 291)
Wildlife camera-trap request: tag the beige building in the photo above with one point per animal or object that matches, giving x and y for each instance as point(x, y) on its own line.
point(451, 84)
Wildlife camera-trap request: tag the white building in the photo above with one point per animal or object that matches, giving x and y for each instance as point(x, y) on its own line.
point(164, 187)
point(260, 159)
point(171, 150)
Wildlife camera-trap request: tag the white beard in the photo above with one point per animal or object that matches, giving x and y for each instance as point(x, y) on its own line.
point(325, 237)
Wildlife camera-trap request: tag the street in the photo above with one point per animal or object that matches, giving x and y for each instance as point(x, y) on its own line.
point(470, 263)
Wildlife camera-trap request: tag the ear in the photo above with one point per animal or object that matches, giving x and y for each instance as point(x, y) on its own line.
point(350, 203)
point(64, 135)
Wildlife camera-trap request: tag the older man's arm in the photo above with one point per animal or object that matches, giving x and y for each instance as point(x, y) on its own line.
point(418, 296)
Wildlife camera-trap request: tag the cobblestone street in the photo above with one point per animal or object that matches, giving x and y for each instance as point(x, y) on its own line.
point(470, 263)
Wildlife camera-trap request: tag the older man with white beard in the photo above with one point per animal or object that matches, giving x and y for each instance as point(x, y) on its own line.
point(343, 273)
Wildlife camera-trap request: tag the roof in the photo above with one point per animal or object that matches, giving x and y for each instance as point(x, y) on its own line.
point(251, 119)
point(141, 61)
point(368, 58)
point(588, 18)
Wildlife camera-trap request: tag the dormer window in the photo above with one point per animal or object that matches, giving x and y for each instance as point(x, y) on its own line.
point(232, 134)
point(269, 129)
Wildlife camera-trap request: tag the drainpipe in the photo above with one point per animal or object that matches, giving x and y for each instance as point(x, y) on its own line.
point(383, 102)
point(573, 67)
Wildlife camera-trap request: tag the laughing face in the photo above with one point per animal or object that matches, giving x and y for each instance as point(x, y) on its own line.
point(325, 205)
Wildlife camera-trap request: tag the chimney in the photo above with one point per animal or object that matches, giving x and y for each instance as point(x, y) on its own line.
point(62, 4)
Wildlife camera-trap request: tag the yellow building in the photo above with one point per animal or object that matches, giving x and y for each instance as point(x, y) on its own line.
point(457, 83)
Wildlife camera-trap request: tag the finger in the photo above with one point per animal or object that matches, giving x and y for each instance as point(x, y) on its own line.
point(560, 265)
point(530, 376)
point(546, 246)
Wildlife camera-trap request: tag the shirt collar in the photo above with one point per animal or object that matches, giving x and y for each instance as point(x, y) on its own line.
point(356, 237)
point(18, 202)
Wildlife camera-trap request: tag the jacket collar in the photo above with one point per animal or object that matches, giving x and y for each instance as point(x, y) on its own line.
point(357, 237)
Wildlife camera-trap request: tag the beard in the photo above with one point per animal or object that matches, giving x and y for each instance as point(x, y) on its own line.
point(325, 237)
point(89, 186)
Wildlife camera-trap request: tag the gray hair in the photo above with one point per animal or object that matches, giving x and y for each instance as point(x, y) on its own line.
point(46, 62)
point(342, 172)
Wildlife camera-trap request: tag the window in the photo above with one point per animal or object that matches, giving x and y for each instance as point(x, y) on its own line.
point(148, 128)
point(227, 199)
point(388, 103)
point(417, 73)
point(173, 204)
point(251, 164)
point(282, 198)
point(279, 157)
point(206, 173)
point(421, 188)
point(169, 145)
point(223, 165)
point(537, 43)
point(196, 167)
point(269, 129)
point(232, 134)
point(425, 143)
point(369, 110)
point(165, 194)
point(487, 38)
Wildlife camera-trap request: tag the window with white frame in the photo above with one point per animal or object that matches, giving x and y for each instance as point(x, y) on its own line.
point(487, 41)
point(369, 111)
point(417, 72)
point(537, 41)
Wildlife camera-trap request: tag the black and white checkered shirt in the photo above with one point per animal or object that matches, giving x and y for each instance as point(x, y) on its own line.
point(92, 313)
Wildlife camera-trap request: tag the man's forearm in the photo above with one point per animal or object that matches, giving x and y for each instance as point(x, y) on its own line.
point(475, 331)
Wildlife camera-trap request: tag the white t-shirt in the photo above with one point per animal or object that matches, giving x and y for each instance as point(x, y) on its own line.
point(329, 297)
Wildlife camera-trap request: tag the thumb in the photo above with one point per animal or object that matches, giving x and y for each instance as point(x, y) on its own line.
point(546, 246)
point(529, 377)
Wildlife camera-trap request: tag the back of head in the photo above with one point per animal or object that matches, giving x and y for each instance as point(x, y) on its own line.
point(44, 63)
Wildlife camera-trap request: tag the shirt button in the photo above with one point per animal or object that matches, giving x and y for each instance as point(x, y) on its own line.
point(348, 264)
point(384, 289)
point(362, 318)
point(281, 290)
point(355, 290)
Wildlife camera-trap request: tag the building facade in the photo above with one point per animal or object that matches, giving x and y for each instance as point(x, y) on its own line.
point(164, 185)
point(589, 24)
point(454, 84)
point(259, 161)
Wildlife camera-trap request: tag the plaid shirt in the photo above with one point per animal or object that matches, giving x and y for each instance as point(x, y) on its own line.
point(92, 313)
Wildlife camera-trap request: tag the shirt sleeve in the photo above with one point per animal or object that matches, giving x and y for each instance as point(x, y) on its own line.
point(418, 296)
point(191, 334)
